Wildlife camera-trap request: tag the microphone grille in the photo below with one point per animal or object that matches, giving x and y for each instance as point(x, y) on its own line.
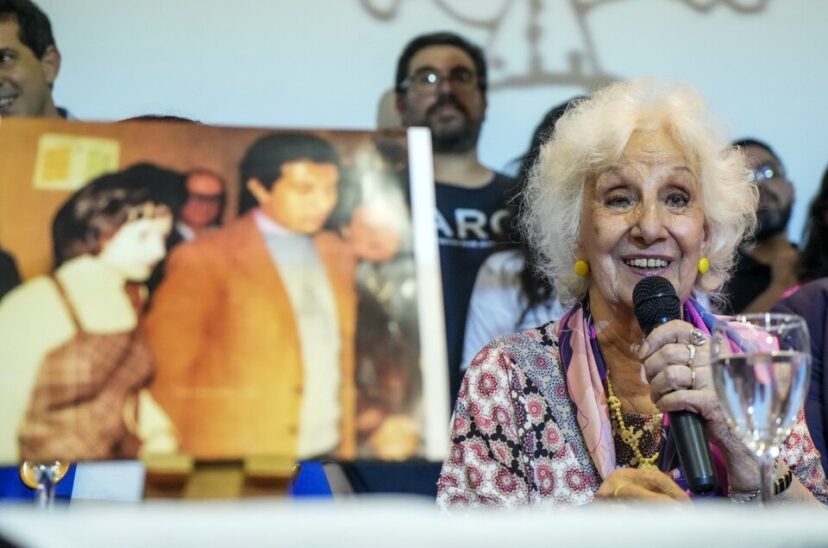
point(654, 299)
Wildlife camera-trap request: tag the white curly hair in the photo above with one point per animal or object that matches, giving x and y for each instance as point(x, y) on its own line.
point(592, 136)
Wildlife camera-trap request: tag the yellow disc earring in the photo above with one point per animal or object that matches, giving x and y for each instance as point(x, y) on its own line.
point(704, 265)
point(581, 268)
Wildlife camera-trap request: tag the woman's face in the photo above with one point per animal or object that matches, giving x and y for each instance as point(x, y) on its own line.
point(642, 217)
point(137, 246)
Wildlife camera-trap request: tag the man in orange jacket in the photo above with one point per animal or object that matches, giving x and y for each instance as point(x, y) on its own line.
point(252, 328)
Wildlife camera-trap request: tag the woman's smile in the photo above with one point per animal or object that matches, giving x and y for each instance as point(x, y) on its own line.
point(648, 265)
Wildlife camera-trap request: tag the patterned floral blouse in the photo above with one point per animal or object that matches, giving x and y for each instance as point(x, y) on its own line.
point(516, 439)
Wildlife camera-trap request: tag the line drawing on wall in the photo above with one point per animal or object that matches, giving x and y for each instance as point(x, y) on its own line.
point(582, 68)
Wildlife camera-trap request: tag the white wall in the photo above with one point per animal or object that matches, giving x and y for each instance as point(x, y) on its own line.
point(314, 63)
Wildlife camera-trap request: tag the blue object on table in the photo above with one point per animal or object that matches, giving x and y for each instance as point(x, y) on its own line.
point(13, 489)
point(311, 481)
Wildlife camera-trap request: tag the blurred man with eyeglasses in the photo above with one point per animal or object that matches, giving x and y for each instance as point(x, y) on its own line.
point(441, 84)
point(204, 205)
point(766, 267)
point(199, 212)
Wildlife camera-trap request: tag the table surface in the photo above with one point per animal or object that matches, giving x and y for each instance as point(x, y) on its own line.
point(403, 522)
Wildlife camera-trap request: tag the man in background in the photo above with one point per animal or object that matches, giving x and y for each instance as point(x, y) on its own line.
point(204, 205)
point(29, 61)
point(198, 208)
point(766, 268)
point(441, 84)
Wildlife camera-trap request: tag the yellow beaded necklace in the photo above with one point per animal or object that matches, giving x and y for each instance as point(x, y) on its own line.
point(628, 434)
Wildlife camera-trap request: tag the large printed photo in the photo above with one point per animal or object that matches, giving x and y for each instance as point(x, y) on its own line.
point(171, 287)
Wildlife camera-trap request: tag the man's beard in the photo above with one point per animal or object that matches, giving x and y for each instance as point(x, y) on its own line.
point(455, 140)
point(772, 221)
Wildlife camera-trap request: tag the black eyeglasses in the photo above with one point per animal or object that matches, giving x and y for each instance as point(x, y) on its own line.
point(427, 80)
point(765, 172)
point(205, 198)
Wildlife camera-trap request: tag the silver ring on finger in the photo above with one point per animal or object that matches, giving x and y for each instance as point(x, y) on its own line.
point(692, 350)
point(697, 337)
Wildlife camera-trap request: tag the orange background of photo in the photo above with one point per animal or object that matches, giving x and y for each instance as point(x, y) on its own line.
point(26, 212)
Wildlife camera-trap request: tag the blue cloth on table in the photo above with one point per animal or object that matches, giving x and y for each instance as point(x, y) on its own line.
point(311, 481)
point(12, 487)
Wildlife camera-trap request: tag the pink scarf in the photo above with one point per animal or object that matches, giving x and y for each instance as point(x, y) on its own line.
point(584, 369)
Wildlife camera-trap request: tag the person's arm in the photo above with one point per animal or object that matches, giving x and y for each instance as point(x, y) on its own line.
point(764, 301)
point(155, 429)
point(481, 470)
point(494, 308)
point(783, 277)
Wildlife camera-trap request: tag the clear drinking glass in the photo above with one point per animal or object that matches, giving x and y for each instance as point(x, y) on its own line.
point(761, 367)
point(43, 478)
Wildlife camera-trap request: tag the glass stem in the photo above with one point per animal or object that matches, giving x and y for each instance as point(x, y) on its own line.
point(45, 495)
point(766, 468)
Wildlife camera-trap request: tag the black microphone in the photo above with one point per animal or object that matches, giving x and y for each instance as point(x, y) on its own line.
point(656, 302)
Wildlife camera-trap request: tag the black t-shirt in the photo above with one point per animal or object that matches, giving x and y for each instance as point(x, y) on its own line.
point(471, 224)
point(749, 280)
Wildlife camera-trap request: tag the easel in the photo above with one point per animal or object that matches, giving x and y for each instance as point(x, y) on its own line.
point(43, 478)
point(181, 477)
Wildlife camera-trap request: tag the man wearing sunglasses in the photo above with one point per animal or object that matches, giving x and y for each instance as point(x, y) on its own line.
point(766, 267)
point(204, 206)
point(441, 84)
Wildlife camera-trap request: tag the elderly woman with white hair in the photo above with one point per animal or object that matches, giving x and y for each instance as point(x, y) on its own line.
point(636, 181)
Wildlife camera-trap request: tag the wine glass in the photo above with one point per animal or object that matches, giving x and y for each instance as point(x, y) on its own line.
point(761, 367)
point(43, 478)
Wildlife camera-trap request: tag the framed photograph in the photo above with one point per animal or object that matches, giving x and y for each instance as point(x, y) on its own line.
point(219, 292)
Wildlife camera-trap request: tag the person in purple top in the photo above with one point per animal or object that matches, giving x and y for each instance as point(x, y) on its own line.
point(811, 302)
